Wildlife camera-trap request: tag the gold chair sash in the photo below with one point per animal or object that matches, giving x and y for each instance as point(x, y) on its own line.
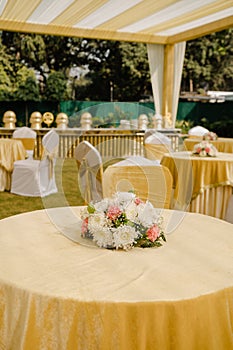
point(28, 143)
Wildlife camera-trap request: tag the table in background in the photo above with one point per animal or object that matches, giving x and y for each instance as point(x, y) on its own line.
point(57, 294)
point(10, 151)
point(221, 144)
point(201, 184)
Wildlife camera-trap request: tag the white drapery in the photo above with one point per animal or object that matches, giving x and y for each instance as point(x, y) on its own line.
point(156, 63)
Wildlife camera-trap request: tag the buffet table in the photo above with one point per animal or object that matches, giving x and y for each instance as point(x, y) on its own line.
point(222, 144)
point(10, 151)
point(201, 184)
point(58, 294)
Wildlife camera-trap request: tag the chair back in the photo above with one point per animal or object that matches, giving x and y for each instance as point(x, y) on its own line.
point(27, 136)
point(197, 132)
point(90, 173)
point(155, 137)
point(156, 144)
point(50, 142)
point(153, 183)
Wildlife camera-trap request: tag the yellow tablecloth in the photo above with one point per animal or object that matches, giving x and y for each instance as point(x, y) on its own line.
point(222, 144)
point(57, 294)
point(10, 151)
point(194, 175)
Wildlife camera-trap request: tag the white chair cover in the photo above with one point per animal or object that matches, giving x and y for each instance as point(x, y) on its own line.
point(28, 137)
point(156, 144)
point(36, 178)
point(198, 131)
point(90, 167)
point(155, 137)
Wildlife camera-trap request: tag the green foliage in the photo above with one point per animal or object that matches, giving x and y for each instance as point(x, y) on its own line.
point(209, 62)
point(27, 87)
point(56, 87)
point(5, 85)
point(100, 70)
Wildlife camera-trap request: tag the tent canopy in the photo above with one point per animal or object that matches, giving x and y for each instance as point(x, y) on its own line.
point(164, 25)
point(148, 21)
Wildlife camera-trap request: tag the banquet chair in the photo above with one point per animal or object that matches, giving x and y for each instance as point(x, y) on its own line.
point(90, 171)
point(156, 144)
point(28, 137)
point(197, 132)
point(149, 182)
point(36, 178)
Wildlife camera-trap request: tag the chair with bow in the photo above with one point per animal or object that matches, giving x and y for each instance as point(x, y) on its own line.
point(90, 171)
point(36, 178)
point(156, 144)
point(27, 136)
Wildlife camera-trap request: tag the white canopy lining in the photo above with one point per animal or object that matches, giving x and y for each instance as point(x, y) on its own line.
point(149, 21)
point(165, 25)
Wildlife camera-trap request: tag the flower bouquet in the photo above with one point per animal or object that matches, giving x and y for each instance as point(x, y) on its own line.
point(210, 136)
point(205, 149)
point(122, 222)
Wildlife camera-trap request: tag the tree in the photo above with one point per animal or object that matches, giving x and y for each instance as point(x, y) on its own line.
point(27, 88)
point(208, 62)
point(56, 87)
point(119, 72)
point(5, 85)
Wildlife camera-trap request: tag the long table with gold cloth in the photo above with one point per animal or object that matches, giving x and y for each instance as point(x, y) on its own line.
point(10, 151)
point(222, 144)
point(58, 294)
point(201, 184)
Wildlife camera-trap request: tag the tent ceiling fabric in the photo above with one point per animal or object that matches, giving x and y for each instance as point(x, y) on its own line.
point(148, 21)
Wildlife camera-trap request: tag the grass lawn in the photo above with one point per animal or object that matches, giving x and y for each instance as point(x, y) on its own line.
point(68, 193)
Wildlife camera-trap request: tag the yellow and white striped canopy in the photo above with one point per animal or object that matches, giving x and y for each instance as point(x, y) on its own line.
point(149, 21)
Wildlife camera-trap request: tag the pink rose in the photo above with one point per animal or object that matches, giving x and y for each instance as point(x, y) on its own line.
point(113, 212)
point(138, 201)
point(153, 233)
point(198, 150)
point(207, 149)
point(84, 227)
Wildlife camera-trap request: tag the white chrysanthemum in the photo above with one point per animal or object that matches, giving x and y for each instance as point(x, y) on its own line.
point(147, 214)
point(102, 205)
point(103, 237)
point(131, 211)
point(124, 197)
point(95, 221)
point(124, 237)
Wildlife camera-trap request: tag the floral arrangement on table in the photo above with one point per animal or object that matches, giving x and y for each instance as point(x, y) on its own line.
point(210, 136)
point(205, 149)
point(123, 222)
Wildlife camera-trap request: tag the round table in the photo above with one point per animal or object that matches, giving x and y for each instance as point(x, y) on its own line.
point(58, 294)
point(222, 144)
point(10, 151)
point(201, 184)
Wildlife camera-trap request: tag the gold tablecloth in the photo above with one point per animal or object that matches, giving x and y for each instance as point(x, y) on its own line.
point(194, 175)
point(222, 144)
point(10, 151)
point(56, 294)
